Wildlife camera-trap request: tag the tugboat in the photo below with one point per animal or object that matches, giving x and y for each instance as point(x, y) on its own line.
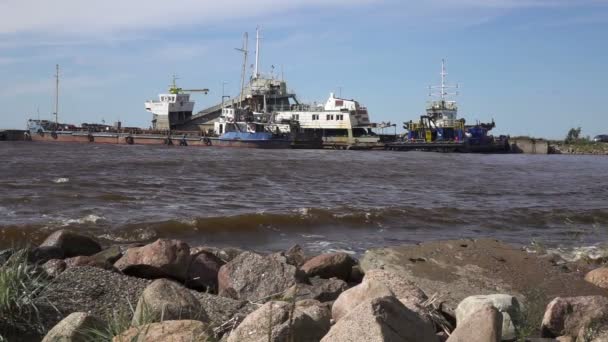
point(441, 129)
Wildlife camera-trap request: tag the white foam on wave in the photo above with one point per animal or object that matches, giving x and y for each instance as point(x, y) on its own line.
point(312, 236)
point(61, 180)
point(573, 254)
point(303, 211)
point(86, 219)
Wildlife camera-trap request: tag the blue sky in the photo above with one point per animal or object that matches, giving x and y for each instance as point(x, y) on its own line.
point(537, 67)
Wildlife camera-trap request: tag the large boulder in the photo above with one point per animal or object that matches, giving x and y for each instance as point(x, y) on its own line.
point(598, 277)
point(88, 289)
point(254, 277)
point(383, 319)
point(323, 290)
point(42, 254)
point(354, 296)
point(483, 325)
point(506, 304)
point(282, 321)
point(163, 258)
point(203, 270)
point(403, 289)
point(167, 300)
point(570, 316)
point(330, 265)
point(77, 327)
point(168, 331)
point(71, 243)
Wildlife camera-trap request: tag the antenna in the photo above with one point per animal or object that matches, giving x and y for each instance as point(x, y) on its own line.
point(443, 88)
point(175, 78)
point(57, 97)
point(245, 54)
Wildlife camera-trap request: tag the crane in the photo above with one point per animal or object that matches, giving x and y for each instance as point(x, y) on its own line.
point(174, 89)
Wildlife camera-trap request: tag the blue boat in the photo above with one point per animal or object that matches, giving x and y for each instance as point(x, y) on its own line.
point(253, 140)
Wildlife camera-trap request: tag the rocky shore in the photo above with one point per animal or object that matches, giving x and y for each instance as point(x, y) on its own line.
point(463, 290)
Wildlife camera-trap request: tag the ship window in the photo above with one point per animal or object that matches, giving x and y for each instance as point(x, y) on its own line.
point(315, 116)
point(330, 117)
point(296, 117)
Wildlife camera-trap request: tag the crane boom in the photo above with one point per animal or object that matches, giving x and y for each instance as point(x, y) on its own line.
point(196, 90)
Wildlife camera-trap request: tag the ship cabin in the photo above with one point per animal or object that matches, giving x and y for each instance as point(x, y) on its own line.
point(170, 110)
point(337, 118)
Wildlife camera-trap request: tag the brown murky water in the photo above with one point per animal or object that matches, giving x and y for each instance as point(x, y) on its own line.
point(323, 200)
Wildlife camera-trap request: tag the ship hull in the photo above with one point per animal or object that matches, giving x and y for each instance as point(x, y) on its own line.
point(264, 144)
point(119, 139)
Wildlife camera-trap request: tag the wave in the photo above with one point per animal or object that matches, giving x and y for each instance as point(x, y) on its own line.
point(309, 223)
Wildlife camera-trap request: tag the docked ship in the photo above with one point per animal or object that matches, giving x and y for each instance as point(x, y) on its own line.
point(440, 129)
point(265, 105)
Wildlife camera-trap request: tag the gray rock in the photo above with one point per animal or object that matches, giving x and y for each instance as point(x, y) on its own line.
point(202, 272)
point(77, 327)
point(571, 316)
point(71, 243)
point(354, 296)
point(484, 325)
point(383, 319)
point(323, 290)
point(506, 304)
point(221, 309)
point(295, 256)
point(54, 267)
point(168, 331)
point(88, 289)
point(109, 255)
point(275, 322)
point(254, 277)
point(42, 254)
point(398, 284)
point(330, 265)
point(167, 300)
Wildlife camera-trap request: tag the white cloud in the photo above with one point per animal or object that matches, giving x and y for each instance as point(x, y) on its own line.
point(67, 83)
point(81, 16)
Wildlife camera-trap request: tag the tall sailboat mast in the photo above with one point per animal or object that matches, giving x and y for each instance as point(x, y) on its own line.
point(57, 97)
point(256, 72)
point(245, 54)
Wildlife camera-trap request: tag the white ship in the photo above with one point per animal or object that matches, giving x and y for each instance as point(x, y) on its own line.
point(172, 109)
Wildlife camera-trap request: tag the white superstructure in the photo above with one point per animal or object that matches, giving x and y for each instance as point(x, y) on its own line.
point(173, 108)
point(169, 110)
point(337, 113)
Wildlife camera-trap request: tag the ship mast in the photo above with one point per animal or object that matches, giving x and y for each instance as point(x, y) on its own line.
point(443, 88)
point(57, 98)
point(256, 72)
point(245, 54)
